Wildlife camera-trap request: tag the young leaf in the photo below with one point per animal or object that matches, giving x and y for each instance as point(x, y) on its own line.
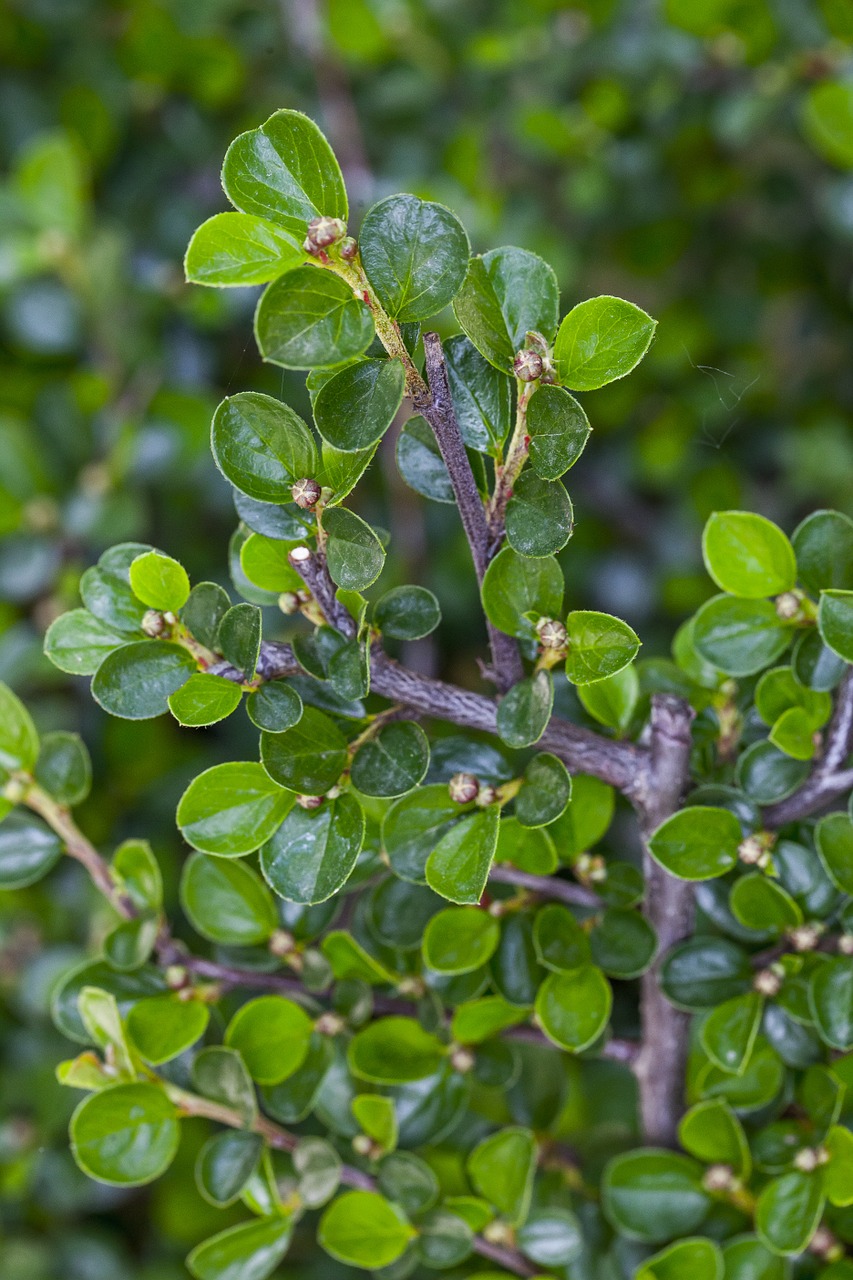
point(698, 1258)
point(539, 519)
point(558, 430)
point(748, 555)
point(573, 1008)
point(261, 446)
point(285, 171)
point(226, 901)
point(698, 843)
point(459, 864)
point(164, 1026)
point(271, 1034)
point(392, 762)
point(394, 1051)
point(238, 249)
point(136, 681)
point(355, 408)
point(460, 939)
point(310, 319)
point(354, 553)
point(613, 699)
point(309, 758)
point(599, 646)
point(502, 1168)
point(507, 293)
point(159, 582)
point(205, 699)
point(231, 809)
point(313, 853)
point(19, 742)
point(364, 1229)
point(524, 712)
point(265, 563)
point(712, 1133)
point(600, 340)
point(125, 1135)
point(415, 255)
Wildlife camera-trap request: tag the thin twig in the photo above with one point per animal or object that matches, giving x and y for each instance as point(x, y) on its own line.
point(312, 568)
point(546, 886)
point(829, 779)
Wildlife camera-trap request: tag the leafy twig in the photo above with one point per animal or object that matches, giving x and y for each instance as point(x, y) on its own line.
point(829, 779)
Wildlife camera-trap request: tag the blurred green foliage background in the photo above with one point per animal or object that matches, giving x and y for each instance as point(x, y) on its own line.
point(695, 156)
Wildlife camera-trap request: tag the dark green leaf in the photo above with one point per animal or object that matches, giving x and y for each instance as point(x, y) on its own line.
point(539, 520)
point(558, 430)
point(698, 843)
point(309, 318)
point(136, 681)
point(653, 1195)
point(393, 761)
point(275, 706)
point(239, 638)
point(515, 586)
point(480, 394)
point(225, 1164)
point(262, 446)
point(78, 642)
point(506, 294)
point(249, 1251)
point(28, 850)
point(740, 637)
point(545, 791)
point(789, 1210)
point(415, 254)
point(355, 408)
point(407, 613)
point(309, 758)
point(312, 854)
point(524, 712)
point(226, 901)
point(63, 767)
point(353, 552)
point(420, 463)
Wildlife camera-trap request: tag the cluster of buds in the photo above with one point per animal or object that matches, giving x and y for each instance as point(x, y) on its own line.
point(810, 1158)
point(306, 493)
point(590, 868)
point(805, 937)
point(754, 851)
point(768, 982)
point(533, 362)
point(323, 232)
point(719, 1177)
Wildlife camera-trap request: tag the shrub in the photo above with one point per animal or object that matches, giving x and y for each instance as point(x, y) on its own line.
point(402, 962)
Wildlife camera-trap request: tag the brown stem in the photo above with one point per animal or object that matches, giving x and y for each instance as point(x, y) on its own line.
point(437, 407)
point(314, 572)
point(546, 886)
point(669, 909)
point(829, 779)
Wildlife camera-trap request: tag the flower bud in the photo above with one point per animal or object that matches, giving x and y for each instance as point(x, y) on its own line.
point(349, 248)
point(590, 868)
point(281, 943)
point(754, 852)
point(845, 944)
point(329, 1024)
point(787, 606)
point(810, 1158)
point(825, 1245)
point(463, 788)
point(461, 1060)
point(153, 623)
point(486, 796)
point(527, 366)
point(306, 493)
point(289, 602)
point(176, 977)
point(322, 232)
point(309, 802)
point(805, 937)
point(767, 983)
point(718, 1177)
point(362, 1145)
point(552, 633)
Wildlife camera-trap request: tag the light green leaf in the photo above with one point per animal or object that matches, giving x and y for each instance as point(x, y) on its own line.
point(828, 121)
point(19, 742)
point(573, 1008)
point(249, 1251)
point(364, 1229)
point(748, 555)
point(502, 1169)
point(272, 1035)
point(205, 699)
point(231, 809)
point(159, 582)
point(600, 340)
point(460, 939)
point(612, 700)
point(238, 249)
point(599, 646)
point(310, 319)
point(394, 1050)
point(459, 864)
point(126, 1135)
point(789, 1210)
point(77, 642)
point(164, 1026)
point(226, 901)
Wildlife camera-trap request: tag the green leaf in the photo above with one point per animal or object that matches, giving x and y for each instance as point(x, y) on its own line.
point(828, 120)
point(285, 171)
point(460, 939)
point(77, 642)
point(225, 1164)
point(502, 1169)
point(748, 555)
point(266, 564)
point(612, 700)
point(353, 552)
point(480, 394)
point(479, 1020)
point(310, 319)
point(789, 1210)
point(415, 255)
point(313, 853)
point(700, 1259)
point(394, 1050)
point(221, 1074)
point(506, 294)
point(19, 742)
point(702, 972)
point(364, 1229)
point(350, 960)
point(728, 1034)
point(205, 699)
point(355, 408)
point(137, 874)
point(558, 430)
point(413, 827)
point(126, 1135)
point(239, 638)
point(130, 944)
point(309, 758)
point(407, 613)
point(573, 1008)
point(249, 1251)
point(746, 1258)
point(28, 850)
point(272, 1035)
point(831, 999)
point(528, 848)
point(459, 864)
point(319, 1167)
point(838, 1175)
point(205, 608)
point(159, 582)
point(546, 790)
point(63, 767)
point(420, 463)
point(261, 446)
point(794, 734)
point(740, 637)
point(408, 1180)
point(779, 691)
point(275, 706)
point(765, 774)
point(653, 1195)
point(539, 519)
point(600, 340)
point(561, 944)
point(823, 545)
point(226, 901)
point(377, 1118)
point(551, 1237)
point(232, 809)
point(587, 817)
point(834, 842)
point(599, 646)
point(515, 586)
point(712, 1133)
point(698, 843)
point(759, 903)
point(238, 249)
point(136, 681)
point(164, 1026)
point(623, 943)
point(524, 712)
point(340, 471)
point(835, 622)
point(392, 762)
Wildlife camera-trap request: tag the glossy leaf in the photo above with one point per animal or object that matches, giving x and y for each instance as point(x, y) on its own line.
point(393, 761)
point(313, 853)
point(162, 1027)
point(205, 699)
point(226, 901)
point(63, 767)
point(697, 843)
point(261, 446)
point(231, 809)
point(599, 646)
point(654, 1196)
point(136, 681)
point(460, 939)
point(415, 255)
point(126, 1135)
point(271, 1034)
point(748, 555)
point(393, 1051)
point(239, 249)
point(835, 621)
point(506, 294)
point(309, 319)
point(355, 408)
point(407, 613)
point(539, 519)
point(458, 866)
point(353, 552)
point(309, 758)
point(524, 712)
point(558, 430)
point(501, 1168)
point(249, 1251)
point(364, 1229)
point(788, 1211)
point(600, 340)
point(515, 587)
point(740, 637)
